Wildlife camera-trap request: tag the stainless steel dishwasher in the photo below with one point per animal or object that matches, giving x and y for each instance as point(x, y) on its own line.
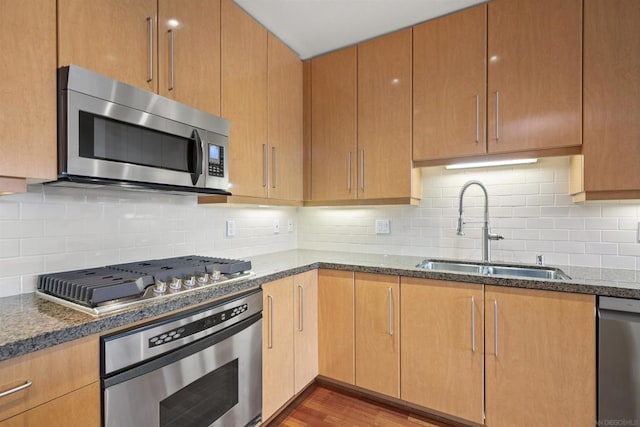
point(618, 361)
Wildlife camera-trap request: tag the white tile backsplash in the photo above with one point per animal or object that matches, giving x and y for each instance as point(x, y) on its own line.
point(51, 229)
point(530, 205)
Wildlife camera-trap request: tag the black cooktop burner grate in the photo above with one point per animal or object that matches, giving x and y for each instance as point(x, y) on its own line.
point(93, 286)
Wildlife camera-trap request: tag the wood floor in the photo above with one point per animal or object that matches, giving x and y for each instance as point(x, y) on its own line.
point(325, 407)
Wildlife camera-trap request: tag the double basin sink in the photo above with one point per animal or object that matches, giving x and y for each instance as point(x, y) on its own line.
point(523, 272)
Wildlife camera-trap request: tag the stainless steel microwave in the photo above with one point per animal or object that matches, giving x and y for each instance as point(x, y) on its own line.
point(114, 134)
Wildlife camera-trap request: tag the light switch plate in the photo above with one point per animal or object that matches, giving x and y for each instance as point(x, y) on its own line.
point(290, 225)
point(638, 235)
point(276, 226)
point(383, 226)
point(231, 228)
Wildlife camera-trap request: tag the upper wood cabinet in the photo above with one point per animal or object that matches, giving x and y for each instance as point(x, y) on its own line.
point(540, 365)
point(450, 85)
point(442, 346)
point(334, 125)
point(115, 38)
point(28, 89)
point(262, 97)
point(189, 52)
point(611, 144)
point(361, 124)
point(534, 75)
point(377, 333)
point(284, 125)
point(336, 325)
point(165, 46)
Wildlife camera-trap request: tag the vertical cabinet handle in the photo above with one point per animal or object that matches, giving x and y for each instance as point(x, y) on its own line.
point(390, 310)
point(362, 170)
point(301, 310)
point(495, 327)
point(171, 59)
point(264, 165)
point(150, 27)
point(497, 115)
point(473, 324)
point(477, 119)
point(274, 156)
point(349, 171)
point(270, 337)
point(26, 384)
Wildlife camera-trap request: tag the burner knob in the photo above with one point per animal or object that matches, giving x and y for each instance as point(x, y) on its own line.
point(176, 283)
point(215, 276)
point(203, 280)
point(190, 282)
point(160, 287)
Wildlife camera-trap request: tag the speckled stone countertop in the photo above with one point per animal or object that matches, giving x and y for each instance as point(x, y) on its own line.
point(28, 323)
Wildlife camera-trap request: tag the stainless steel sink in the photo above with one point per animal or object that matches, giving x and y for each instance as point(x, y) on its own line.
point(549, 273)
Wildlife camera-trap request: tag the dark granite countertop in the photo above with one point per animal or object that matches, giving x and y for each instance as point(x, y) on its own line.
point(28, 323)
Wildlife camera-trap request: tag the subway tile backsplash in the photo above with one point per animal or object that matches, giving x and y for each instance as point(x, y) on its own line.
point(529, 205)
point(53, 229)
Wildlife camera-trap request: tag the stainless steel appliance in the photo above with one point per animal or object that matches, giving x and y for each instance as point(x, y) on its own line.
point(618, 361)
point(111, 133)
point(202, 368)
point(103, 290)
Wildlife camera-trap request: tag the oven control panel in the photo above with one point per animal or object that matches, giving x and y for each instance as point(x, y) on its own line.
point(197, 326)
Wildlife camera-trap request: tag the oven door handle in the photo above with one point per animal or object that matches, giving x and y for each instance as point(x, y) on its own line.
point(197, 157)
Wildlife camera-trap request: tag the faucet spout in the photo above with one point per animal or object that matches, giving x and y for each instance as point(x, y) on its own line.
point(486, 235)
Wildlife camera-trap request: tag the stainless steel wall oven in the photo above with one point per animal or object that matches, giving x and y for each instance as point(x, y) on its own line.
point(200, 368)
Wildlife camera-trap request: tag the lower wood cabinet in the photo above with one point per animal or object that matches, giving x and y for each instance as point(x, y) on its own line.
point(336, 326)
point(442, 346)
point(289, 339)
point(540, 358)
point(377, 333)
point(56, 374)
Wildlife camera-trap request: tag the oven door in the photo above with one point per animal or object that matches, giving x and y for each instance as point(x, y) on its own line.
point(216, 381)
point(104, 139)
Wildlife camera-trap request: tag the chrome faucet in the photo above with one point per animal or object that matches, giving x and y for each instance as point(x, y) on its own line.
point(486, 235)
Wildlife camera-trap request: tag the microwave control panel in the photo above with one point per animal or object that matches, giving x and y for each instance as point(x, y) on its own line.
point(216, 160)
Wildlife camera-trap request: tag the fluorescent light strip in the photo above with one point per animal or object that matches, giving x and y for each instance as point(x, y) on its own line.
point(491, 163)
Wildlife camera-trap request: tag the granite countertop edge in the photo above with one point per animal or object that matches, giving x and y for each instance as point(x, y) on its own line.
point(29, 323)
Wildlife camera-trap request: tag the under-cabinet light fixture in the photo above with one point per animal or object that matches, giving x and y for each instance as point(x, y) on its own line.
point(491, 163)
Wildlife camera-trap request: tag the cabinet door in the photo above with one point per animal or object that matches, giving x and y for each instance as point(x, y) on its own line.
point(277, 345)
point(80, 408)
point(336, 351)
point(333, 130)
point(611, 95)
point(442, 346)
point(535, 68)
point(116, 38)
point(540, 358)
point(285, 122)
point(28, 91)
point(244, 100)
point(384, 116)
point(449, 86)
point(377, 333)
point(189, 52)
point(305, 287)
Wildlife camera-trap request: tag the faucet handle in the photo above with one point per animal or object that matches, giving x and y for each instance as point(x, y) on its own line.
point(495, 237)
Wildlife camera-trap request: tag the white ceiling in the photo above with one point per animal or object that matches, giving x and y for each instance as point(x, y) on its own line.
point(314, 27)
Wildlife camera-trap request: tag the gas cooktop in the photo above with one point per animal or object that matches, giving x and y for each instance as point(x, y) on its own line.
point(112, 288)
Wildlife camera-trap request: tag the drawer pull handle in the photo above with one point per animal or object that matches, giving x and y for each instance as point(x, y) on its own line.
point(26, 384)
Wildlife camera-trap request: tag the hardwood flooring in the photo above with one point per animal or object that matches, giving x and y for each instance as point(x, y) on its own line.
point(325, 407)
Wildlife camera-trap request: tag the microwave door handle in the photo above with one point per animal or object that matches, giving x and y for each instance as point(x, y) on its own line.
point(197, 157)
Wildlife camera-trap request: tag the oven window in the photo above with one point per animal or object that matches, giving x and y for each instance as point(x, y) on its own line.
point(203, 401)
point(116, 141)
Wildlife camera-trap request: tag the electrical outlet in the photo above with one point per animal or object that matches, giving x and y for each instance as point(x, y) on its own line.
point(276, 226)
point(383, 226)
point(638, 235)
point(290, 225)
point(231, 228)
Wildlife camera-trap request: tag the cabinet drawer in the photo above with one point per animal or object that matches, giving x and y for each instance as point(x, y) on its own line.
point(80, 408)
point(52, 372)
